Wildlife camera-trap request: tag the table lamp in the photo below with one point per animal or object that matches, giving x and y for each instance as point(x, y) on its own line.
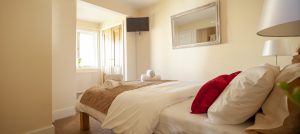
point(276, 48)
point(280, 18)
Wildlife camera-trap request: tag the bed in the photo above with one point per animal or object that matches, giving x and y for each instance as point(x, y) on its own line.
point(175, 118)
point(165, 108)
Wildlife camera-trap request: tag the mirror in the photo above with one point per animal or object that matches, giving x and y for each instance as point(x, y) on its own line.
point(197, 27)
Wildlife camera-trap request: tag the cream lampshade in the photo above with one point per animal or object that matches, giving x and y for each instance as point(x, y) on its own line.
point(276, 48)
point(280, 18)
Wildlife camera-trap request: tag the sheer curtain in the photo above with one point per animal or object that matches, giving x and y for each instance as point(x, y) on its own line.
point(111, 51)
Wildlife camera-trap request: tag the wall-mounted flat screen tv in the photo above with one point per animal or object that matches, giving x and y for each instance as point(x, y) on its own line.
point(137, 24)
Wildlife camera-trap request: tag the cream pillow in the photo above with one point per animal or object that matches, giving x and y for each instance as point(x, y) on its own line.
point(243, 97)
point(275, 109)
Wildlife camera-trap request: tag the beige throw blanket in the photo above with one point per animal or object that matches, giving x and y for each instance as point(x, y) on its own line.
point(100, 99)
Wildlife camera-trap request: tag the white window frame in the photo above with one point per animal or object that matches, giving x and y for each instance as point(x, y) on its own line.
point(87, 68)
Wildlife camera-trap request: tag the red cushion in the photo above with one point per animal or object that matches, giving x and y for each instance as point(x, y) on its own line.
point(210, 91)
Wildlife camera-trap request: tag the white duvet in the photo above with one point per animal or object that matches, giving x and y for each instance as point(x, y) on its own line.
point(137, 111)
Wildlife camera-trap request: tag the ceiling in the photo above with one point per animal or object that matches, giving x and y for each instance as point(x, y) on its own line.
point(90, 12)
point(138, 4)
point(93, 13)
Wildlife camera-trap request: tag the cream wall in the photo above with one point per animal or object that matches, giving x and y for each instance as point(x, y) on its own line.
point(86, 25)
point(63, 57)
point(240, 47)
point(143, 52)
point(130, 56)
point(25, 54)
point(85, 80)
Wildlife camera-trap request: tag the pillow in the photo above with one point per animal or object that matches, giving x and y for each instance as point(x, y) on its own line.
point(209, 92)
point(277, 110)
point(244, 95)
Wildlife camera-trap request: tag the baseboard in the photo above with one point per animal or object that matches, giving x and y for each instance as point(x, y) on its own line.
point(63, 113)
point(44, 130)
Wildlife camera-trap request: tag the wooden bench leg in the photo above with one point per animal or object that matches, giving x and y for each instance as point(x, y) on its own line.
point(84, 121)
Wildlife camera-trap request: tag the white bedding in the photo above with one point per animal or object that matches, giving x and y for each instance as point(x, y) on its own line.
point(137, 111)
point(92, 112)
point(177, 119)
point(169, 118)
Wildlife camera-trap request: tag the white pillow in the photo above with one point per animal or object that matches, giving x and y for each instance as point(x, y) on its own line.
point(244, 95)
point(275, 109)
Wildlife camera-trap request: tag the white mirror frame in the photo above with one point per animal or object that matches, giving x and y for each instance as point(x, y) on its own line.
point(199, 9)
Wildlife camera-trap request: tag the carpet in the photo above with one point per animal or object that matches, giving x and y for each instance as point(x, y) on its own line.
point(71, 125)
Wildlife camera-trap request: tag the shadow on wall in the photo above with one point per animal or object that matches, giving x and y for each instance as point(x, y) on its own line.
point(223, 21)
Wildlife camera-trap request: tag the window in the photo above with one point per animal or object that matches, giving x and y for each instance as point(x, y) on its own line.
point(87, 50)
point(112, 50)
